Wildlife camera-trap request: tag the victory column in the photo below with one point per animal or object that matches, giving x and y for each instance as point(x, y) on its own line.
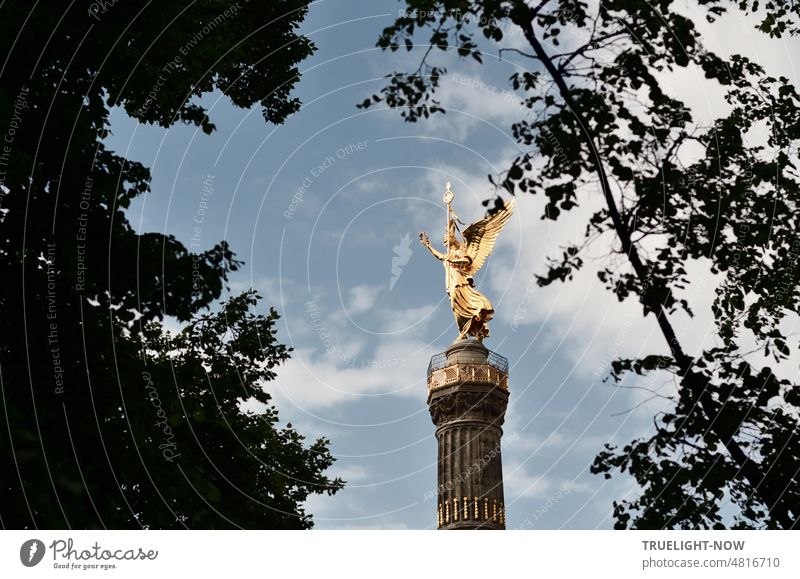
point(468, 384)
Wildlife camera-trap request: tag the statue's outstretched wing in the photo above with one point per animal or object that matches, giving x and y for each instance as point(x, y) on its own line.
point(481, 235)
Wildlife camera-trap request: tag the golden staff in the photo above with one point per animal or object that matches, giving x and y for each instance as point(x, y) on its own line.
point(448, 198)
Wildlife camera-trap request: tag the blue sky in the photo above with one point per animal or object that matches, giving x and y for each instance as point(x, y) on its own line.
point(319, 207)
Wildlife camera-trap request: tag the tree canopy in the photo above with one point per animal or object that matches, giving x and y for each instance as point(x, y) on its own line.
point(603, 123)
point(92, 386)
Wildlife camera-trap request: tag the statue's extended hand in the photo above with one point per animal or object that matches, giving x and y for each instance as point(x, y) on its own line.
point(423, 237)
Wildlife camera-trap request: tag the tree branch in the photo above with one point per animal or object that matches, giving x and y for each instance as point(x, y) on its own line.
point(517, 50)
point(591, 44)
point(696, 383)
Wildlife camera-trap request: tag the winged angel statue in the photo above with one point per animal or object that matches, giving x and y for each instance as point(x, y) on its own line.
point(462, 260)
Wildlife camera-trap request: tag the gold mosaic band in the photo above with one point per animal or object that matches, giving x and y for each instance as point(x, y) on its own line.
point(497, 514)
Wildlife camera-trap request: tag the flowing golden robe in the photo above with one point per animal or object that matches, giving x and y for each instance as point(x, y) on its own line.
point(471, 308)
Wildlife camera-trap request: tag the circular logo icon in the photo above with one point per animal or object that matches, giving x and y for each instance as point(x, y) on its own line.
point(31, 553)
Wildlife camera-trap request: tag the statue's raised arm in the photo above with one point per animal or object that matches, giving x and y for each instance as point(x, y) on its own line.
point(423, 238)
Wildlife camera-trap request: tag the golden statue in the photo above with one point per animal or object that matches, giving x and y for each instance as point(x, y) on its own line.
point(462, 260)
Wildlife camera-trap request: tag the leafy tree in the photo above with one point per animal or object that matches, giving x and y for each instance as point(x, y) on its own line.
point(601, 120)
point(194, 433)
point(81, 285)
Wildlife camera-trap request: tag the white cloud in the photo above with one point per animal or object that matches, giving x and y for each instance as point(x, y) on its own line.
point(346, 510)
point(266, 287)
point(309, 382)
point(472, 101)
point(350, 473)
point(334, 363)
point(518, 483)
point(363, 297)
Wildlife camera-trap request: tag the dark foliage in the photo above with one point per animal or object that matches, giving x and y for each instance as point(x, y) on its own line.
point(82, 354)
